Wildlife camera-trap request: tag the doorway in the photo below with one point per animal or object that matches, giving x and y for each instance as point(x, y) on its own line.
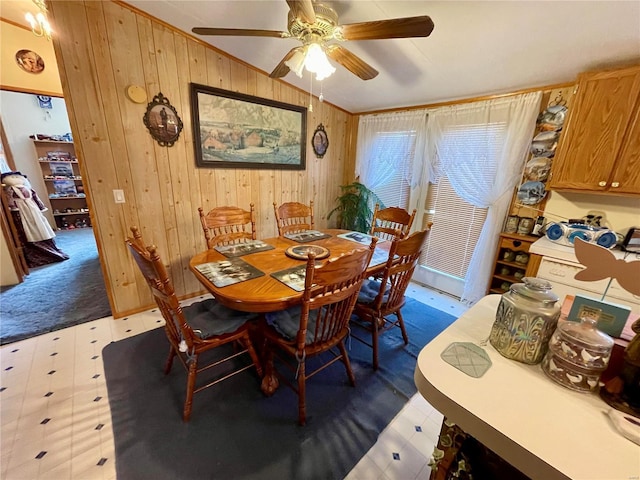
point(60, 294)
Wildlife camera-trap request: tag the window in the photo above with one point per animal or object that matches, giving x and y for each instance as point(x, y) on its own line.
point(457, 223)
point(473, 156)
point(393, 186)
point(456, 229)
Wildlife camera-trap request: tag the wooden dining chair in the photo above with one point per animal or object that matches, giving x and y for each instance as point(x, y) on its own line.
point(318, 325)
point(388, 221)
point(228, 225)
point(293, 217)
point(384, 295)
point(194, 329)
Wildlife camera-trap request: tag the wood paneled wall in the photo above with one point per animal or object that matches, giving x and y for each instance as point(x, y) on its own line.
point(102, 47)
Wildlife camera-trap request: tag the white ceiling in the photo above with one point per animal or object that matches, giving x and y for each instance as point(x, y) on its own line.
point(477, 47)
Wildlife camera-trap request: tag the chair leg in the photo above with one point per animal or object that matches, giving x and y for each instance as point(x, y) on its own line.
point(347, 364)
point(374, 341)
point(169, 363)
point(191, 385)
point(405, 337)
point(254, 356)
point(270, 381)
point(302, 394)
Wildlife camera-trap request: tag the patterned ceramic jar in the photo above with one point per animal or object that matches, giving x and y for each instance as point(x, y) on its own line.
point(525, 320)
point(578, 354)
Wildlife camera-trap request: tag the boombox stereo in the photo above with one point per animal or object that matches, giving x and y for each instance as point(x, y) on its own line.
point(565, 234)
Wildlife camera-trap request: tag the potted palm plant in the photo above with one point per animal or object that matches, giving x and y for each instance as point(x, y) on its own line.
point(355, 207)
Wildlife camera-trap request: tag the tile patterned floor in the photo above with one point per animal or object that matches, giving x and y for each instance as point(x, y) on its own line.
point(56, 424)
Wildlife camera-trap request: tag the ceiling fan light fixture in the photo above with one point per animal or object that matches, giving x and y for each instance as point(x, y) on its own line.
point(39, 24)
point(296, 62)
point(316, 61)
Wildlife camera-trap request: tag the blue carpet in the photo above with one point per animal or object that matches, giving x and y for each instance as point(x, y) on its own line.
point(236, 432)
point(57, 295)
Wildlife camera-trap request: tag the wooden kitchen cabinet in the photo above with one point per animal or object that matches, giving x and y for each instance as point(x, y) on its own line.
point(599, 151)
point(513, 262)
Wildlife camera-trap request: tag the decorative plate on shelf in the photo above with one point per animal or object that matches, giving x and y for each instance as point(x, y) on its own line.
point(552, 118)
point(537, 169)
point(531, 193)
point(301, 252)
point(544, 144)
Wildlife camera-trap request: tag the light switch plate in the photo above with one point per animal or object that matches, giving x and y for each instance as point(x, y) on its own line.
point(118, 196)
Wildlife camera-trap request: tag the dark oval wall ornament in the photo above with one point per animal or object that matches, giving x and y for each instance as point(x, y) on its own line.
point(162, 121)
point(320, 141)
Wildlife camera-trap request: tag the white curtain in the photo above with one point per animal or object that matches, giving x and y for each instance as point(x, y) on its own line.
point(482, 174)
point(376, 162)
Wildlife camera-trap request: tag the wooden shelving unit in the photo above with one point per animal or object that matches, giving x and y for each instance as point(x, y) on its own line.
point(63, 180)
point(512, 262)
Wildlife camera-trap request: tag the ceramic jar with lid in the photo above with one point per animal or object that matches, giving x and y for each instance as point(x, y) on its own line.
point(525, 320)
point(578, 354)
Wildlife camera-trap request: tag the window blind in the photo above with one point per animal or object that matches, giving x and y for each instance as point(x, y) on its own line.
point(457, 224)
point(455, 231)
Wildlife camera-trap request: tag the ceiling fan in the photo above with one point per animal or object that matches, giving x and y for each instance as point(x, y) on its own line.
point(316, 26)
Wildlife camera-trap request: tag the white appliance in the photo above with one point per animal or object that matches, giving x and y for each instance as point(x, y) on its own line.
point(559, 265)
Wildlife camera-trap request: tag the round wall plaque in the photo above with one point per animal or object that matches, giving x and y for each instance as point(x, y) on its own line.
point(136, 94)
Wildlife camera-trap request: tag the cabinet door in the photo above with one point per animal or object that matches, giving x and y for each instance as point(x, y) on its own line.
point(595, 131)
point(626, 176)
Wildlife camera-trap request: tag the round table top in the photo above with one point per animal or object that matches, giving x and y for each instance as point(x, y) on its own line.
point(265, 293)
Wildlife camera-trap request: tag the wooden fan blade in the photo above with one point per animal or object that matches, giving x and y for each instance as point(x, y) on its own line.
point(302, 9)
point(238, 32)
point(394, 28)
point(281, 69)
point(351, 62)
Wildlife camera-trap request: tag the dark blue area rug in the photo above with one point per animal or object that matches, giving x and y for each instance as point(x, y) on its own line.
point(57, 295)
point(236, 432)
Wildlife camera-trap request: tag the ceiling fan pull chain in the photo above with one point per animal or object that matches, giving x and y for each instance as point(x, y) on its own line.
point(311, 93)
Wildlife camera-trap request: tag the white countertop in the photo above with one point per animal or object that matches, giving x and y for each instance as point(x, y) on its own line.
point(543, 429)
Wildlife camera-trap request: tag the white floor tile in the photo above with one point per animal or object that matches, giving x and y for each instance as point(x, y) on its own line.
point(365, 469)
point(408, 463)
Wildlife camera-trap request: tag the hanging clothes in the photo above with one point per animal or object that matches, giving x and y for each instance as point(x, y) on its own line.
point(26, 201)
point(34, 233)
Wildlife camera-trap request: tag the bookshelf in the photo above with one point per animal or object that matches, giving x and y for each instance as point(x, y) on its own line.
point(63, 180)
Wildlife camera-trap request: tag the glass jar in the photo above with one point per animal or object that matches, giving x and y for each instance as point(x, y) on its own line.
point(578, 353)
point(522, 258)
point(525, 320)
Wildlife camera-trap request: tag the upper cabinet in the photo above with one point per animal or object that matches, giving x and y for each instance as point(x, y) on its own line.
point(599, 150)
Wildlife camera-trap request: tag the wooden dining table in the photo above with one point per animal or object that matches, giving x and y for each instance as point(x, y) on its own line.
point(266, 293)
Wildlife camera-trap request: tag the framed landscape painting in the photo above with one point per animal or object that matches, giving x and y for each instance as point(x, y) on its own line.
point(234, 130)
